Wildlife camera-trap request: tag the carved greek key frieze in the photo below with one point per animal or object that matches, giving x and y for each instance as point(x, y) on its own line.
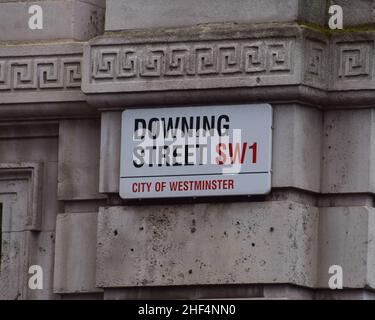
point(355, 60)
point(316, 63)
point(36, 73)
point(353, 65)
point(310, 59)
point(135, 63)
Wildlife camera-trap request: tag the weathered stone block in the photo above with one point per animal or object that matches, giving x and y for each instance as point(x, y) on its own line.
point(135, 14)
point(297, 144)
point(346, 237)
point(25, 150)
point(13, 273)
point(20, 250)
point(50, 206)
point(359, 12)
point(243, 243)
point(67, 19)
point(79, 147)
point(348, 165)
point(110, 152)
point(42, 253)
point(75, 253)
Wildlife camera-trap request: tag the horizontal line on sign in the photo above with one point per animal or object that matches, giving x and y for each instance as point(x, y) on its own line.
point(195, 175)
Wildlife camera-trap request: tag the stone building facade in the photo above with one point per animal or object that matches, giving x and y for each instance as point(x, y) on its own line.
point(63, 89)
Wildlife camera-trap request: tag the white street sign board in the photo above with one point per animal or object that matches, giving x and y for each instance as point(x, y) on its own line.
point(196, 151)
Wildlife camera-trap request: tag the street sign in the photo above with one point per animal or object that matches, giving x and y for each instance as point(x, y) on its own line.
point(196, 151)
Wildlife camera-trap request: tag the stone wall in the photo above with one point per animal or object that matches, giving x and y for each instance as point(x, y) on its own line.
point(62, 91)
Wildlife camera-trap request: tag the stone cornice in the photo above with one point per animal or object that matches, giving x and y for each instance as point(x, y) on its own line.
point(230, 62)
point(40, 73)
point(278, 63)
